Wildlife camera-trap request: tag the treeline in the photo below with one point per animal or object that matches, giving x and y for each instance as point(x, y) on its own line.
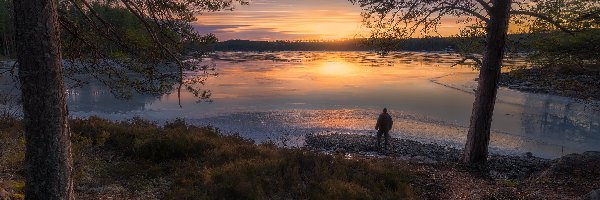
point(545, 49)
point(417, 44)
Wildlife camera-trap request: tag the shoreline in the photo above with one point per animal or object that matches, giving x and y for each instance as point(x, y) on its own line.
point(500, 166)
point(573, 176)
point(183, 161)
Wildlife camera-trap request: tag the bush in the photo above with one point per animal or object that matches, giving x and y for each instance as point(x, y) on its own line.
point(200, 163)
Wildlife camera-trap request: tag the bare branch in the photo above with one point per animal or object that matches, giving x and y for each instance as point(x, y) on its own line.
point(589, 15)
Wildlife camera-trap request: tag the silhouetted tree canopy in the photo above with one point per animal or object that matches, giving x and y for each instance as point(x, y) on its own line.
point(401, 19)
point(131, 45)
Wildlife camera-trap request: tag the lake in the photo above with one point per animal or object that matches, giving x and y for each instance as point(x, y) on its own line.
point(282, 96)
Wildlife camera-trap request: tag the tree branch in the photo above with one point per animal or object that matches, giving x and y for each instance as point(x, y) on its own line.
point(478, 61)
point(485, 5)
point(137, 12)
point(466, 10)
point(542, 17)
point(589, 15)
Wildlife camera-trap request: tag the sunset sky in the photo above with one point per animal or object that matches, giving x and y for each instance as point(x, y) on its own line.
point(291, 20)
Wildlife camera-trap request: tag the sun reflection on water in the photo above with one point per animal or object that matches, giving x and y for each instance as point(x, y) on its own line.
point(266, 95)
point(338, 68)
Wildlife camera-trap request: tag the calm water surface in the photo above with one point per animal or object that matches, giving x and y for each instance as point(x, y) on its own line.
point(283, 96)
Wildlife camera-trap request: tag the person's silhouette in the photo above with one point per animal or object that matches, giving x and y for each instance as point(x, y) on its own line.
point(383, 127)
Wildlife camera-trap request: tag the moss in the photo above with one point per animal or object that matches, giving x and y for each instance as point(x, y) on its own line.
point(18, 196)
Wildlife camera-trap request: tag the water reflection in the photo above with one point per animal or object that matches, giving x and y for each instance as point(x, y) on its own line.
point(288, 94)
point(565, 121)
point(96, 98)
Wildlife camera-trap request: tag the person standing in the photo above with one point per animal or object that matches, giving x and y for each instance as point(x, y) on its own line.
point(383, 127)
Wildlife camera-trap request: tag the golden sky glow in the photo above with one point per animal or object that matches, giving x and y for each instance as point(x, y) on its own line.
point(293, 20)
point(285, 19)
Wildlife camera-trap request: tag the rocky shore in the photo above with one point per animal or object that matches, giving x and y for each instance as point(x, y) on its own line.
point(505, 176)
point(499, 166)
point(581, 85)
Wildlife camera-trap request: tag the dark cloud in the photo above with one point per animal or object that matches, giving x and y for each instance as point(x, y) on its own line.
point(260, 34)
point(204, 29)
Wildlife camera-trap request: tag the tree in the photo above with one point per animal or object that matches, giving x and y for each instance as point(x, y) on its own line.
point(558, 52)
point(48, 150)
point(147, 61)
point(568, 52)
point(6, 28)
point(403, 18)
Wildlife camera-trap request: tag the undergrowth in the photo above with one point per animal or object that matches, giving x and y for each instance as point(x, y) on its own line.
point(179, 161)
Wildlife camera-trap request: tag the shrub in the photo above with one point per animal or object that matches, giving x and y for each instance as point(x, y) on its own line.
point(200, 163)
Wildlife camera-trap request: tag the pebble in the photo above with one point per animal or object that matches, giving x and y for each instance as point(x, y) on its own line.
point(4, 195)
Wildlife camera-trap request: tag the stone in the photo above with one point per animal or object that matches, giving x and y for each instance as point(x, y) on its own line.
point(340, 151)
point(583, 165)
point(4, 195)
point(593, 195)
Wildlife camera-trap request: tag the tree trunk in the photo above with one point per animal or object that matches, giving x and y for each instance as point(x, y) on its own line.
point(4, 45)
point(476, 148)
point(48, 163)
point(7, 45)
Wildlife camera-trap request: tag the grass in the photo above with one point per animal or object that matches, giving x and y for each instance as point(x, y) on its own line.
point(138, 158)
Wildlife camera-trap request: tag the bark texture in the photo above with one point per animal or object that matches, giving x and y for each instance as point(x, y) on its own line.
point(476, 147)
point(48, 163)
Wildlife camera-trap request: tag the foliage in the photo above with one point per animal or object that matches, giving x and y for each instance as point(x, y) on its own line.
point(401, 20)
point(565, 52)
point(130, 46)
point(574, 45)
point(137, 46)
point(391, 20)
point(566, 15)
point(200, 163)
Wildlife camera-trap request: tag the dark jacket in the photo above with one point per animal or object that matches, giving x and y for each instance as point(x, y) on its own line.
point(384, 122)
